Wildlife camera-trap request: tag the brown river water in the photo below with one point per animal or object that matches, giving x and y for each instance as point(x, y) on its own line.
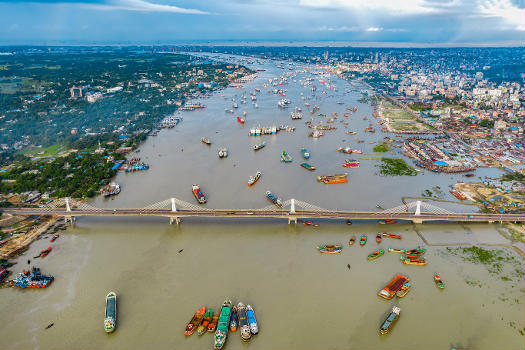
point(302, 299)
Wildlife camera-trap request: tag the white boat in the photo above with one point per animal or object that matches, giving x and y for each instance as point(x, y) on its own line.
point(222, 152)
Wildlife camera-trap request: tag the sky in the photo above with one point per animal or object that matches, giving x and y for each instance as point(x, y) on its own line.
point(482, 22)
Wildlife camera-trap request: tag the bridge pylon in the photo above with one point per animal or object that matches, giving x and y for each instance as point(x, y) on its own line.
point(174, 210)
point(292, 212)
point(68, 218)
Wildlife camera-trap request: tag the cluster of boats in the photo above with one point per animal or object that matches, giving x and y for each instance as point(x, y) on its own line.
point(227, 320)
point(112, 190)
point(32, 279)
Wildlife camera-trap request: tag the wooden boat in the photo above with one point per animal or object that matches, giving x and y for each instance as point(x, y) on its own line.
point(396, 250)
point(418, 262)
point(195, 321)
point(330, 181)
point(252, 322)
point(110, 320)
point(419, 251)
point(393, 287)
point(206, 141)
point(275, 200)
point(285, 157)
point(54, 238)
point(375, 255)
point(379, 238)
point(458, 195)
point(305, 153)
point(246, 334)
point(221, 334)
point(389, 221)
point(439, 282)
point(330, 248)
point(351, 241)
point(241, 120)
point(254, 179)
point(213, 324)
point(259, 146)
point(404, 290)
point(198, 194)
point(205, 322)
point(308, 166)
point(390, 320)
point(45, 252)
point(391, 235)
point(363, 240)
point(234, 320)
point(336, 176)
point(348, 222)
point(349, 163)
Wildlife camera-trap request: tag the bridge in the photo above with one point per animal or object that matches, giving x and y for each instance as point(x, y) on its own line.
point(292, 210)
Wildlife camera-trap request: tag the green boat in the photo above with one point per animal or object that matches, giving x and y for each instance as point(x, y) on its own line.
point(439, 282)
point(330, 248)
point(223, 326)
point(308, 166)
point(285, 157)
point(363, 240)
point(110, 321)
point(376, 255)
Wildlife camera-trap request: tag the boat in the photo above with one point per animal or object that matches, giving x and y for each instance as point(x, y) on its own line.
point(348, 222)
point(212, 326)
point(330, 248)
point(335, 176)
point(285, 157)
point(32, 279)
point(221, 334)
point(393, 287)
point(44, 252)
point(112, 190)
point(391, 235)
point(54, 238)
point(330, 181)
point(110, 320)
point(404, 290)
point(351, 163)
point(458, 195)
point(389, 221)
point(305, 153)
point(222, 152)
point(375, 255)
point(308, 166)
point(438, 281)
point(363, 240)
point(379, 238)
point(205, 322)
point(234, 320)
point(275, 200)
point(195, 321)
point(396, 250)
point(418, 251)
point(198, 194)
point(254, 179)
point(348, 150)
point(258, 147)
point(241, 120)
point(390, 321)
point(246, 334)
point(254, 328)
point(418, 261)
point(351, 241)
point(206, 141)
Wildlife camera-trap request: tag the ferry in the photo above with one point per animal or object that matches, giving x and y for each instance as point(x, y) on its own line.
point(390, 321)
point(110, 321)
point(112, 190)
point(305, 153)
point(221, 334)
point(254, 328)
point(195, 321)
point(243, 322)
point(234, 320)
point(254, 179)
point(308, 166)
point(222, 152)
point(206, 141)
point(205, 322)
point(198, 194)
point(275, 200)
point(258, 147)
point(330, 248)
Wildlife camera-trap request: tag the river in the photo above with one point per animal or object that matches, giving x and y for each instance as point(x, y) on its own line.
point(163, 273)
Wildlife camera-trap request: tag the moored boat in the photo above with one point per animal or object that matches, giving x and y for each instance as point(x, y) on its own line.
point(396, 250)
point(438, 281)
point(241, 120)
point(393, 287)
point(375, 255)
point(418, 251)
point(330, 181)
point(112, 190)
point(330, 248)
point(348, 222)
point(45, 252)
point(203, 327)
point(275, 200)
point(32, 279)
point(221, 334)
point(308, 166)
point(389, 221)
point(379, 238)
point(390, 320)
point(322, 178)
point(212, 326)
point(252, 322)
point(110, 319)
point(259, 146)
point(458, 195)
point(417, 262)
point(254, 179)
point(351, 241)
point(243, 322)
point(391, 235)
point(195, 321)
point(198, 194)
point(54, 238)
point(404, 290)
point(363, 240)
point(234, 320)
point(206, 141)
point(305, 153)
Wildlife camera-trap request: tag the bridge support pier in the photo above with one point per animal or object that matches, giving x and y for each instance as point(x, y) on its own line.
point(69, 218)
point(174, 219)
point(491, 221)
point(417, 221)
point(290, 220)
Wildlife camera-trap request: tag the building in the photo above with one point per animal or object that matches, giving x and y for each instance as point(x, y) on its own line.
point(76, 92)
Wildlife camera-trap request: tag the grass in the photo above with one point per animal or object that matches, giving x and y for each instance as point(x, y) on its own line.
point(403, 127)
point(395, 167)
point(52, 150)
point(398, 115)
point(381, 148)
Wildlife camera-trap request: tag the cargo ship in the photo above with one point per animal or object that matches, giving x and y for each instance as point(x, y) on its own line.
point(32, 279)
point(254, 179)
point(221, 334)
point(330, 248)
point(110, 321)
point(393, 287)
point(458, 195)
point(112, 190)
point(275, 200)
point(246, 334)
point(234, 320)
point(390, 321)
point(198, 194)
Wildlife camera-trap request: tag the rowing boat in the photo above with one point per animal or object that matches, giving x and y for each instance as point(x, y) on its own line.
point(363, 240)
point(376, 255)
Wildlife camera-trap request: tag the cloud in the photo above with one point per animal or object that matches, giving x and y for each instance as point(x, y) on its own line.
point(404, 7)
point(374, 29)
point(511, 14)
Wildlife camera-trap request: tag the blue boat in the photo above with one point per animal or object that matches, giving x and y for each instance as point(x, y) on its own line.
point(32, 279)
point(275, 200)
point(254, 329)
point(305, 153)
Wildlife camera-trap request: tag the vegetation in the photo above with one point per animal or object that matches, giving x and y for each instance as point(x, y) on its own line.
point(395, 167)
point(382, 147)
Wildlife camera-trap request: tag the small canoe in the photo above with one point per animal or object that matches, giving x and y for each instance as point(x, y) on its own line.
point(396, 250)
point(195, 321)
point(439, 282)
point(418, 262)
point(375, 255)
point(379, 238)
point(389, 221)
point(203, 327)
point(363, 240)
point(418, 251)
point(308, 166)
point(351, 241)
point(330, 248)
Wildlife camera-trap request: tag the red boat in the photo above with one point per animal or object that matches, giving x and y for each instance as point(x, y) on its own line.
point(240, 120)
point(379, 238)
point(54, 238)
point(391, 235)
point(195, 321)
point(44, 252)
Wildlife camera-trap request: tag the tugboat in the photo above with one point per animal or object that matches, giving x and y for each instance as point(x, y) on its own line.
point(198, 194)
point(206, 141)
point(221, 334)
point(234, 320)
point(275, 200)
point(222, 152)
point(363, 240)
point(439, 282)
point(305, 153)
point(195, 321)
point(258, 147)
point(330, 248)
point(390, 321)
point(112, 190)
point(205, 322)
point(243, 322)
point(110, 321)
point(285, 157)
point(254, 329)
point(254, 179)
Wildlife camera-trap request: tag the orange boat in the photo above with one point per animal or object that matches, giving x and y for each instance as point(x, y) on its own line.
point(44, 252)
point(352, 240)
point(393, 287)
point(240, 120)
point(213, 324)
point(389, 221)
point(459, 195)
point(334, 181)
point(195, 321)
